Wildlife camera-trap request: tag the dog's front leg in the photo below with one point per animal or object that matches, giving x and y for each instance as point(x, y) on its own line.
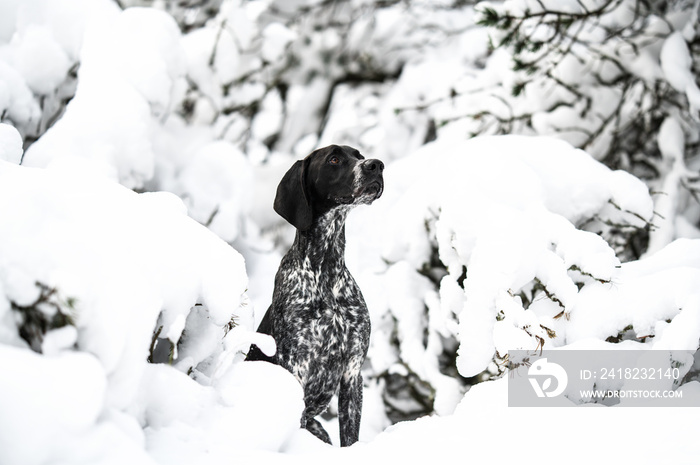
point(350, 408)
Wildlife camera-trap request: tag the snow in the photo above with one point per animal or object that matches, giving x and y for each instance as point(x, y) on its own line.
point(136, 90)
point(220, 202)
point(64, 394)
point(483, 419)
point(636, 298)
point(158, 265)
point(671, 144)
point(11, 146)
point(42, 62)
point(478, 246)
point(40, 46)
point(135, 226)
point(504, 209)
point(276, 38)
point(16, 97)
point(676, 64)
point(213, 420)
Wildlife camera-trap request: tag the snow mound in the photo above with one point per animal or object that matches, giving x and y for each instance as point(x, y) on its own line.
point(10, 144)
point(485, 409)
point(216, 186)
point(131, 71)
point(657, 298)
point(46, 400)
point(483, 417)
point(40, 44)
point(104, 269)
point(256, 406)
point(490, 242)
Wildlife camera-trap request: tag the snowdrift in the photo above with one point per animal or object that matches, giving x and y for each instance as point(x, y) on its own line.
point(498, 243)
point(90, 274)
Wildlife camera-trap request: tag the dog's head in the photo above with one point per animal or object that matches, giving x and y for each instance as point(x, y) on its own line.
point(328, 178)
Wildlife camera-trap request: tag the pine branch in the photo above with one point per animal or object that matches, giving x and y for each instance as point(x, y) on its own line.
point(48, 312)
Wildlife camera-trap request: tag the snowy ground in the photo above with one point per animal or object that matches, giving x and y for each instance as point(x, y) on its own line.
point(479, 246)
point(484, 428)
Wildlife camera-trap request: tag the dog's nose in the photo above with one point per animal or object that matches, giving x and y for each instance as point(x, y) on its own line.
point(373, 166)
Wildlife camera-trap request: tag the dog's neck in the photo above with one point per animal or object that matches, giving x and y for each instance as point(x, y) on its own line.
point(324, 241)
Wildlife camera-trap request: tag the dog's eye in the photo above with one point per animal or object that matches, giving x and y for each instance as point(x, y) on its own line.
point(334, 161)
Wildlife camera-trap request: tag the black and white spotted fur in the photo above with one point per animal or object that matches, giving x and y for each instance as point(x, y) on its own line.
point(318, 316)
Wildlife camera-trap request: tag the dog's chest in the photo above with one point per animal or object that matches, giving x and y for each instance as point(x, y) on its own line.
point(323, 306)
point(328, 294)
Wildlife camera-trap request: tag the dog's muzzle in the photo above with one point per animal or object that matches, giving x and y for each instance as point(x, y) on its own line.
point(372, 185)
point(373, 190)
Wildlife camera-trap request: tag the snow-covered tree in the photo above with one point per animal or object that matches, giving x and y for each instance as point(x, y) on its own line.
point(614, 77)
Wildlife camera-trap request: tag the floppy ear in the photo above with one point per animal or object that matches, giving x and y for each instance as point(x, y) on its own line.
point(292, 199)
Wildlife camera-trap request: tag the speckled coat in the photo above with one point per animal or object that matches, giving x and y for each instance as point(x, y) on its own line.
point(318, 316)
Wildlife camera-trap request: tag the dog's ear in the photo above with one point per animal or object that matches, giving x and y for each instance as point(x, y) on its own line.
point(292, 199)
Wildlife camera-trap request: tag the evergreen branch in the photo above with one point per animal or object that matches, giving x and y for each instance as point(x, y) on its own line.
point(550, 295)
point(586, 273)
point(46, 313)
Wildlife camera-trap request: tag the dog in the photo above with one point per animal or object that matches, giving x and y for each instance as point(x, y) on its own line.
point(318, 316)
